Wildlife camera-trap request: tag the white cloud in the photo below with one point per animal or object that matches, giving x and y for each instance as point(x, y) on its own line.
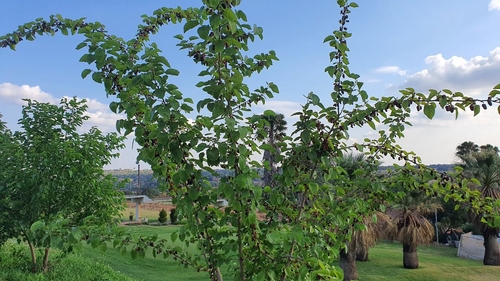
point(473, 77)
point(390, 70)
point(435, 140)
point(494, 5)
point(371, 80)
point(98, 112)
point(13, 93)
point(286, 108)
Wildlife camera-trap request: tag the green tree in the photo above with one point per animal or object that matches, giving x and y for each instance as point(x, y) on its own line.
point(485, 167)
point(490, 147)
point(411, 226)
point(52, 178)
point(299, 239)
point(275, 128)
point(465, 148)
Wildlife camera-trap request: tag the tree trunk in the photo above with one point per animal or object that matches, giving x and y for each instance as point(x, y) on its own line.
point(410, 257)
point(218, 275)
point(33, 257)
point(491, 250)
point(46, 260)
point(348, 265)
point(362, 255)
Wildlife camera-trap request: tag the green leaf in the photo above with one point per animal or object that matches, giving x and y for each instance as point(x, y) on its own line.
point(497, 87)
point(241, 15)
point(229, 15)
point(429, 110)
point(81, 45)
point(189, 25)
point(133, 254)
point(172, 71)
point(136, 80)
point(203, 31)
point(96, 76)
point(100, 57)
point(314, 98)
point(477, 109)
point(213, 156)
point(37, 225)
point(305, 136)
point(353, 5)
point(86, 72)
point(274, 88)
point(498, 109)
point(174, 236)
point(443, 101)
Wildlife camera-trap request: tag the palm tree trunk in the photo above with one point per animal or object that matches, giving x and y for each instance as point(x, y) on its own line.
point(491, 250)
point(410, 257)
point(348, 265)
point(362, 254)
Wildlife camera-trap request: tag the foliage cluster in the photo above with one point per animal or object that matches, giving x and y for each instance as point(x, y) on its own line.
point(306, 227)
point(52, 177)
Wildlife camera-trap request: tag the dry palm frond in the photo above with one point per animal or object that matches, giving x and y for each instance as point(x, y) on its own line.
point(408, 216)
point(410, 227)
point(374, 231)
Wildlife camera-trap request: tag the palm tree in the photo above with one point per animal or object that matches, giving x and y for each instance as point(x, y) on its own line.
point(373, 232)
point(490, 147)
point(411, 225)
point(466, 148)
point(485, 167)
point(275, 127)
point(361, 240)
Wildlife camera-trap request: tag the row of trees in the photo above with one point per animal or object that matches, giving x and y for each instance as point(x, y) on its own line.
point(407, 217)
point(306, 229)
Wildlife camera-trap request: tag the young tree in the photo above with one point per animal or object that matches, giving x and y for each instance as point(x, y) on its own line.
point(51, 172)
point(300, 239)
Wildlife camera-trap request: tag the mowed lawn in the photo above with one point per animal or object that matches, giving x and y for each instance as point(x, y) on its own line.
point(437, 263)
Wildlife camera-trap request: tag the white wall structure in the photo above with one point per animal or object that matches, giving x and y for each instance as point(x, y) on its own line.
point(472, 246)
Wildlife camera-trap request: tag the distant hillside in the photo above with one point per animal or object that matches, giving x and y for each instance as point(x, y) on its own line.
point(438, 167)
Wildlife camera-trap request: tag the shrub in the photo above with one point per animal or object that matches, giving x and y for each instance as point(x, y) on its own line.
point(163, 216)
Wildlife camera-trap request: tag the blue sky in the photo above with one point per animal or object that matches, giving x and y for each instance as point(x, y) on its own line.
point(395, 44)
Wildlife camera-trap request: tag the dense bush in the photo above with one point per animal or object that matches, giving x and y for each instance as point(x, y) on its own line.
point(15, 265)
point(162, 216)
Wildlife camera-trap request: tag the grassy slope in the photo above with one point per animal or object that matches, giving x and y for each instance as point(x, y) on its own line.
point(436, 263)
point(147, 268)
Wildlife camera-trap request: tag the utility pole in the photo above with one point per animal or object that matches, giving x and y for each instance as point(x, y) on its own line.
point(138, 177)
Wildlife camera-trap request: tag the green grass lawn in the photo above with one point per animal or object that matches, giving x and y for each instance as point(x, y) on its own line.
point(436, 263)
point(147, 268)
point(386, 263)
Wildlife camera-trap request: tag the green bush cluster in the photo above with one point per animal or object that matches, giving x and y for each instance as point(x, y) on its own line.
point(162, 216)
